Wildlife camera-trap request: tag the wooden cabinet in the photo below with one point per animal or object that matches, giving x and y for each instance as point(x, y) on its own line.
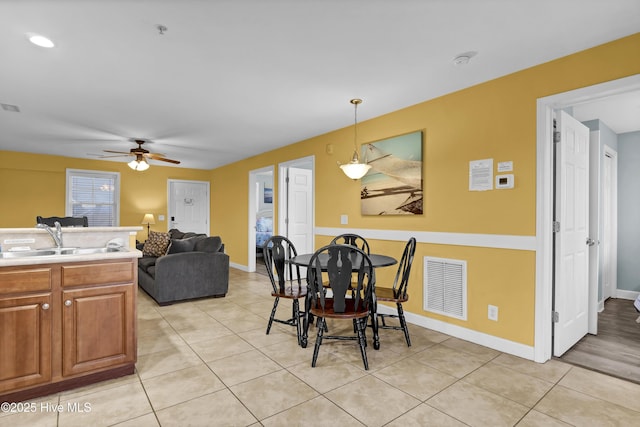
point(66, 325)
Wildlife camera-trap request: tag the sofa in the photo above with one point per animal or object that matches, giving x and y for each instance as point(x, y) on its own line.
point(178, 266)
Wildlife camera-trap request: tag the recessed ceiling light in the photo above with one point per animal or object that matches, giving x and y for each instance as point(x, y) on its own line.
point(39, 40)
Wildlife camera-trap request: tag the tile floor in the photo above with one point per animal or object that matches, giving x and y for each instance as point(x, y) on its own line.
point(209, 363)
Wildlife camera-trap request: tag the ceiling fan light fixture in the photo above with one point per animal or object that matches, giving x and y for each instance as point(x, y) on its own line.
point(354, 169)
point(139, 165)
point(41, 41)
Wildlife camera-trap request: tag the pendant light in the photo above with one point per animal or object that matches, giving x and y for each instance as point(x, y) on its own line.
point(139, 164)
point(354, 169)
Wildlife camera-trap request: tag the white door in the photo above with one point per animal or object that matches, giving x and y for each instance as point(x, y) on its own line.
point(572, 245)
point(189, 206)
point(610, 232)
point(300, 209)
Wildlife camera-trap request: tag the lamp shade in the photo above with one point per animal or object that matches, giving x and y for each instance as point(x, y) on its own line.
point(355, 170)
point(138, 165)
point(148, 219)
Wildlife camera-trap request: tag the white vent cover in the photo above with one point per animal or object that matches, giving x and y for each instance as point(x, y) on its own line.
point(445, 287)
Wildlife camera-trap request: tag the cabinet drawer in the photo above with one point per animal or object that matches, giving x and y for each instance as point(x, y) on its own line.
point(97, 274)
point(25, 280)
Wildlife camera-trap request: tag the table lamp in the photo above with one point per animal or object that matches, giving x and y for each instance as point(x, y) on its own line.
point(148, 219)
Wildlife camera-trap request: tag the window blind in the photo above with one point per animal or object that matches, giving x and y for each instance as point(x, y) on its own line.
point(95, 195)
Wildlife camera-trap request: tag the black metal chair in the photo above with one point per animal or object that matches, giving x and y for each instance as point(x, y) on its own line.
point(353, 240)
point(65, 221)
point(398, 292)
point(285, 280)
point(339, 262)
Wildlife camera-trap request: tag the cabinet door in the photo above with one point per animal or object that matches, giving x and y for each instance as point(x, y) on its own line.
point(98, 328)
point(25, 341)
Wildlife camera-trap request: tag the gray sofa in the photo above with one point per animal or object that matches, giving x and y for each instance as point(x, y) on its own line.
point(195, 266)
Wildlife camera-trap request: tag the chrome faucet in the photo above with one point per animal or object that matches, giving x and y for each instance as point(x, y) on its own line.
point(57, 235)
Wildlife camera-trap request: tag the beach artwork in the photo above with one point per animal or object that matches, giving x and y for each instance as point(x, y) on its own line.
point(393, 185)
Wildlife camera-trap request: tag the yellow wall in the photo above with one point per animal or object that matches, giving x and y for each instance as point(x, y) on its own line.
point(496, 119)
point(39, 188)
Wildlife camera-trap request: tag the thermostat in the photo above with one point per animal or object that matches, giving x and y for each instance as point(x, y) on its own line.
point(504, 181)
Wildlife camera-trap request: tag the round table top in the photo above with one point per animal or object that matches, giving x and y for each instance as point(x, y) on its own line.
point(377, 260)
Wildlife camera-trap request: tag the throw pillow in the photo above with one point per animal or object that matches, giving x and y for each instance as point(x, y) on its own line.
point(156, 244)
point(182, 245)
point(208, 244)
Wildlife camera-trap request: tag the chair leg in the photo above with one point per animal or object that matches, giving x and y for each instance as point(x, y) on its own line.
point(273, 313)
point(316, 349)
point(403, 324)
point(362, 324)
point(296, 317)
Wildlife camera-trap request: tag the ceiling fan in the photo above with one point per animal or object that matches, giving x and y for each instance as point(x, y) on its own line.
point(140, 162)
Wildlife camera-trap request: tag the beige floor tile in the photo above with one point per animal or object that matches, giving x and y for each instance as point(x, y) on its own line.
point(510, 384)
point(180, 386)
point(154, 327)
point(551, 370)
point(334, 372)
point(33, 414)
point(415, 378)
point(148, 344)
point(477, 407)
point(288, 353)
point(212, 330)
point(230, 311)
point(349, 351)
point(189, 320)
point(243, 367)
point(148, 420)
point(318, 412)
point(477, 350)
point(603, 387)
point(77, 393)
point(258, 337)
point(244, 324)
point(217, 409)
point(449, 361)
point(538, 419)
point(582, 410)
point(372, 401)
point(163, 362)
point(107, 407)
point(425, 416)
point(221, 347)
point(273, 393)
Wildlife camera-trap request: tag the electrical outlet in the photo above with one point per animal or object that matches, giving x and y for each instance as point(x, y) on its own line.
point(344, 219)
point(492, 313)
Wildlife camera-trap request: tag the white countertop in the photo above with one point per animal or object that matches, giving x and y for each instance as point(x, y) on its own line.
point(53, 259)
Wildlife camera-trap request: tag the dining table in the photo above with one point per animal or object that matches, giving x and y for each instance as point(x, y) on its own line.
point(377, 261)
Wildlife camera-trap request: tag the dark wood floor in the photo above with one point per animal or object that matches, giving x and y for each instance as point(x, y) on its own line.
point(616, 348)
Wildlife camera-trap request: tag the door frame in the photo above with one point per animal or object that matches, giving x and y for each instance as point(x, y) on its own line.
point(253, 210)
point(190, 181)
point(543, 336)
point(302, 163)
point(612, 242)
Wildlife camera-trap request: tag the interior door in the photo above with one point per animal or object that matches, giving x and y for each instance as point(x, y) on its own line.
point(300, 209)
point(189, 206)
point(571, 287)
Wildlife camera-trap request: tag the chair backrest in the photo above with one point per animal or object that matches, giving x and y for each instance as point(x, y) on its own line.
point(340, 262)
point(277, 250)
point(353, 240)
point(401, 281)
point(65, 221)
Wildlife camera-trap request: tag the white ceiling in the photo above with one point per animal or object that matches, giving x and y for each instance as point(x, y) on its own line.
point(234, 78)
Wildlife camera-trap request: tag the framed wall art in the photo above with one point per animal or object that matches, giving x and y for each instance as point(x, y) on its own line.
point(393, 185)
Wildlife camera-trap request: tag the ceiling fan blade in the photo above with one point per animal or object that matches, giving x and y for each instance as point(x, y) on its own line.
point(117, 152)
point(163, 159)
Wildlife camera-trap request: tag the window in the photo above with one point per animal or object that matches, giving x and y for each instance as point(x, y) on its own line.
point(94, 194)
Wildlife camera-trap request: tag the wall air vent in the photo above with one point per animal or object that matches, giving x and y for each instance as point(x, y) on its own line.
point(9, 107)
point(445, 287)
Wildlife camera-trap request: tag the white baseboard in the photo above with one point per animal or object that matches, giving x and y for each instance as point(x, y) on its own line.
point(622, 294)
point(496, 343)
point(239, 266)
point(600, 306)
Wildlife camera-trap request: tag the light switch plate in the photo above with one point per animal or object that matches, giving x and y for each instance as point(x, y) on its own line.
point(344, 219)
point(160, 217)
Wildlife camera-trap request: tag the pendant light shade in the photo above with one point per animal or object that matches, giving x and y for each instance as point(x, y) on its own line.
point(354, 169)
point(139, 164)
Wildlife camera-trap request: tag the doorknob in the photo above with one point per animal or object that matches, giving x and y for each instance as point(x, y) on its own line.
point(590, 241)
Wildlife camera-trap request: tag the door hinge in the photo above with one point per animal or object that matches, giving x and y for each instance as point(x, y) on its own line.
point(555, 316)
point(556, 226)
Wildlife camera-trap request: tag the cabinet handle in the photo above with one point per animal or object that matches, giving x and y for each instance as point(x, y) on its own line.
point(67, 303)
point(45, 306)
